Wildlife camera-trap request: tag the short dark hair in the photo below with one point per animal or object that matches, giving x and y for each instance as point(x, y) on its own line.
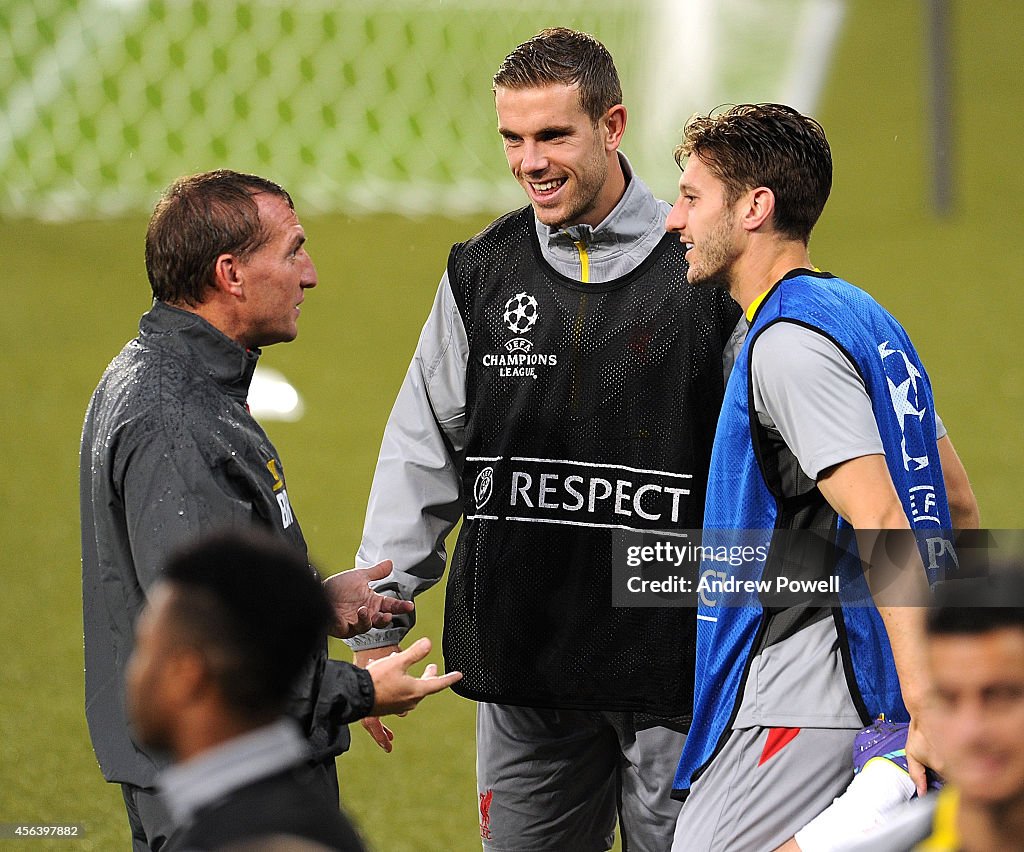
point(979, 605)
point(769, 145)
point(198, 218)
point(562, 56)
point(255, 608)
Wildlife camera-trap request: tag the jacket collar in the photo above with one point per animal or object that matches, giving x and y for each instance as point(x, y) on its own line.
point(208, 777)
point(207, 348)
point(632, 219)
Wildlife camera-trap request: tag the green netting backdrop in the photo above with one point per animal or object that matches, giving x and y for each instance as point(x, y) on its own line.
point(351, 104)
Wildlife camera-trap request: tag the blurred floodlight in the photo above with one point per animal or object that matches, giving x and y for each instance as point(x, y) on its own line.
point(272, 397)
point(702, 54)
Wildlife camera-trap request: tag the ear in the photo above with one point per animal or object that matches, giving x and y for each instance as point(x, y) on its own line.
point(614, 124)
point(228, 275)
point(187, 676)
point(758, 207)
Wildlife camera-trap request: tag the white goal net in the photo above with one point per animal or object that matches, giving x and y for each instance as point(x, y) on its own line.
point(353, 105)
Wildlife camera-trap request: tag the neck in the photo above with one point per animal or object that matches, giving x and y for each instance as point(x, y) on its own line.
point(204, 731)
point(765, 263)
point(986, 827)
point(611, 194)
point(220, 316)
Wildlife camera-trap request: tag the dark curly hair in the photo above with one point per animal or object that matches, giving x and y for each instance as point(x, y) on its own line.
point(257, 611)
point(768, 145)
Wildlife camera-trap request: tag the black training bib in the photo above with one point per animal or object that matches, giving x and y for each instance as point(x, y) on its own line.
point(591, 411)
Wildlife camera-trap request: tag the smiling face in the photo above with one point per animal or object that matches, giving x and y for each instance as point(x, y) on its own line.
point(706, 223)
point(979, 716)
point(276, 276)
point(565, 162)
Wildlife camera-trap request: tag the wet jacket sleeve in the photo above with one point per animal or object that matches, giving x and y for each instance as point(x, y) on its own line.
point(345, 695)
point(415, 499)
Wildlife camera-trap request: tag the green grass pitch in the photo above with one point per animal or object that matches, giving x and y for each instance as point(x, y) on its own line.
point(74, 294)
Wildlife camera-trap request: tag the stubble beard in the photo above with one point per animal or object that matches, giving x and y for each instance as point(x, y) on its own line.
point(715, 269)
point(575, 208)
point(589, 181)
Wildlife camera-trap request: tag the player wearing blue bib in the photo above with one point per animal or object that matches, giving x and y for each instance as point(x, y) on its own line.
point(828, 429)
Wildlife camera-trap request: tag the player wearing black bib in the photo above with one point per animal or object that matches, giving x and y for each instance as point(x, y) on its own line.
point(566, 386)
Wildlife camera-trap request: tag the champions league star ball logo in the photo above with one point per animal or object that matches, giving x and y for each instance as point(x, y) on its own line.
point(520, 313)
point(904, 391)
point(520, 316)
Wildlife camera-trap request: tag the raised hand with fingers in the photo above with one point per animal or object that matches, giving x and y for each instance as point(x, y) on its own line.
point(357, 607)
point(395, 690)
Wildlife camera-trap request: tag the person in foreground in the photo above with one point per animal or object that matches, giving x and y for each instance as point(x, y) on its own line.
point(565, 387)
point(976, 661)
point(828, 425)
point(226, 630)
point(170, 451)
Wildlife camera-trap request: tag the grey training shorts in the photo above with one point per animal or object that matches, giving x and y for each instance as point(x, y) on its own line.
point(554, 780)
point(763, 787)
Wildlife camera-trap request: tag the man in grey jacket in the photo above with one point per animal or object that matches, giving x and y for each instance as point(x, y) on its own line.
point(170, 451)
point(564, 391)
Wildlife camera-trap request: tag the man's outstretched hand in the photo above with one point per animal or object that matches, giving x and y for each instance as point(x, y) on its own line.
point(394, 695)
point(356, 606)
point(396, 691)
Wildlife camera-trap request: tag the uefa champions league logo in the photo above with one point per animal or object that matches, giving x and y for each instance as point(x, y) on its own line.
point(520, 316)
point(903, 380)
point(902, 377)
point(520, 313)
point(519, 361)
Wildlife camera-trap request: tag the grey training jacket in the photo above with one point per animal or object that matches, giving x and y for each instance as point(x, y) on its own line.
point(169, 452)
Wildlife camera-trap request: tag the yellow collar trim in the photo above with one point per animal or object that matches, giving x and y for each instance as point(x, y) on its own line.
point(584, 262)
point(753, 306)
point(944, 836)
